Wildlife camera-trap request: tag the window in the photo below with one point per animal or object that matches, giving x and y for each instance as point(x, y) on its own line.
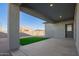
point(69, 27)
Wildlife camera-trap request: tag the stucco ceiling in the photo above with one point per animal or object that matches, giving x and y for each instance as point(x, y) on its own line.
point(57, 12)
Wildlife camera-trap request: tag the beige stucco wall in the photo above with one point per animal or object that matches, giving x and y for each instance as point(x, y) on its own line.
point(39, 33)
point(56, 30)
point(26, 30)
point(0, 28)
point(32, 32)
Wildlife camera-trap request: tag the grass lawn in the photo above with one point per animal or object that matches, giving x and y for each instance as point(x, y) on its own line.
point(29, 40)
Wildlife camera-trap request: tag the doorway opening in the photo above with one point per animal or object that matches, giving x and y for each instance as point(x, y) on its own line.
point(69, 30)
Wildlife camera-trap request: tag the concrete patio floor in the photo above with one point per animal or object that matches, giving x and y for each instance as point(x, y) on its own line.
point(4, 47)
point(4, 44)
point(50, 47)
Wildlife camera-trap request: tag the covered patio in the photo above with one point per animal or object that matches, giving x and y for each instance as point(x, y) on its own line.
point(61, 13)
point(50, 47)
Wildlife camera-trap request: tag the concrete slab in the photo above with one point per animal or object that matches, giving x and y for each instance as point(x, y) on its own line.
point(4, 45)
point(50, 47)
point(17, 53)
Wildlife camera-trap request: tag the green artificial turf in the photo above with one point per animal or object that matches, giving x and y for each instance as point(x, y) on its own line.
point(29, 40)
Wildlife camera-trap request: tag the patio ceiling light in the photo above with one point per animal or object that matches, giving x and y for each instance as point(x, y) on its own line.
point(51, 5)
point(60, 17)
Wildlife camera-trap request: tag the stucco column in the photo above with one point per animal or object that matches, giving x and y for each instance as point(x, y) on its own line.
point(13, 26)
point(76, 23)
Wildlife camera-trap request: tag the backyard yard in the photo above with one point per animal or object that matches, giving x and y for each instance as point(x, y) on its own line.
point(30, 40)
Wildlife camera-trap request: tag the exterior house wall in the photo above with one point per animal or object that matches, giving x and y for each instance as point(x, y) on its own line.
point(56, 30)
point(32, 32)
point(0, 29)
point(76, 24)
point(39, 32)
point(26, 30)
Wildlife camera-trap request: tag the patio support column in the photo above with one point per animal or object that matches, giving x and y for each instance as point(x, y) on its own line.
point(13, 26)
point(76, 27)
